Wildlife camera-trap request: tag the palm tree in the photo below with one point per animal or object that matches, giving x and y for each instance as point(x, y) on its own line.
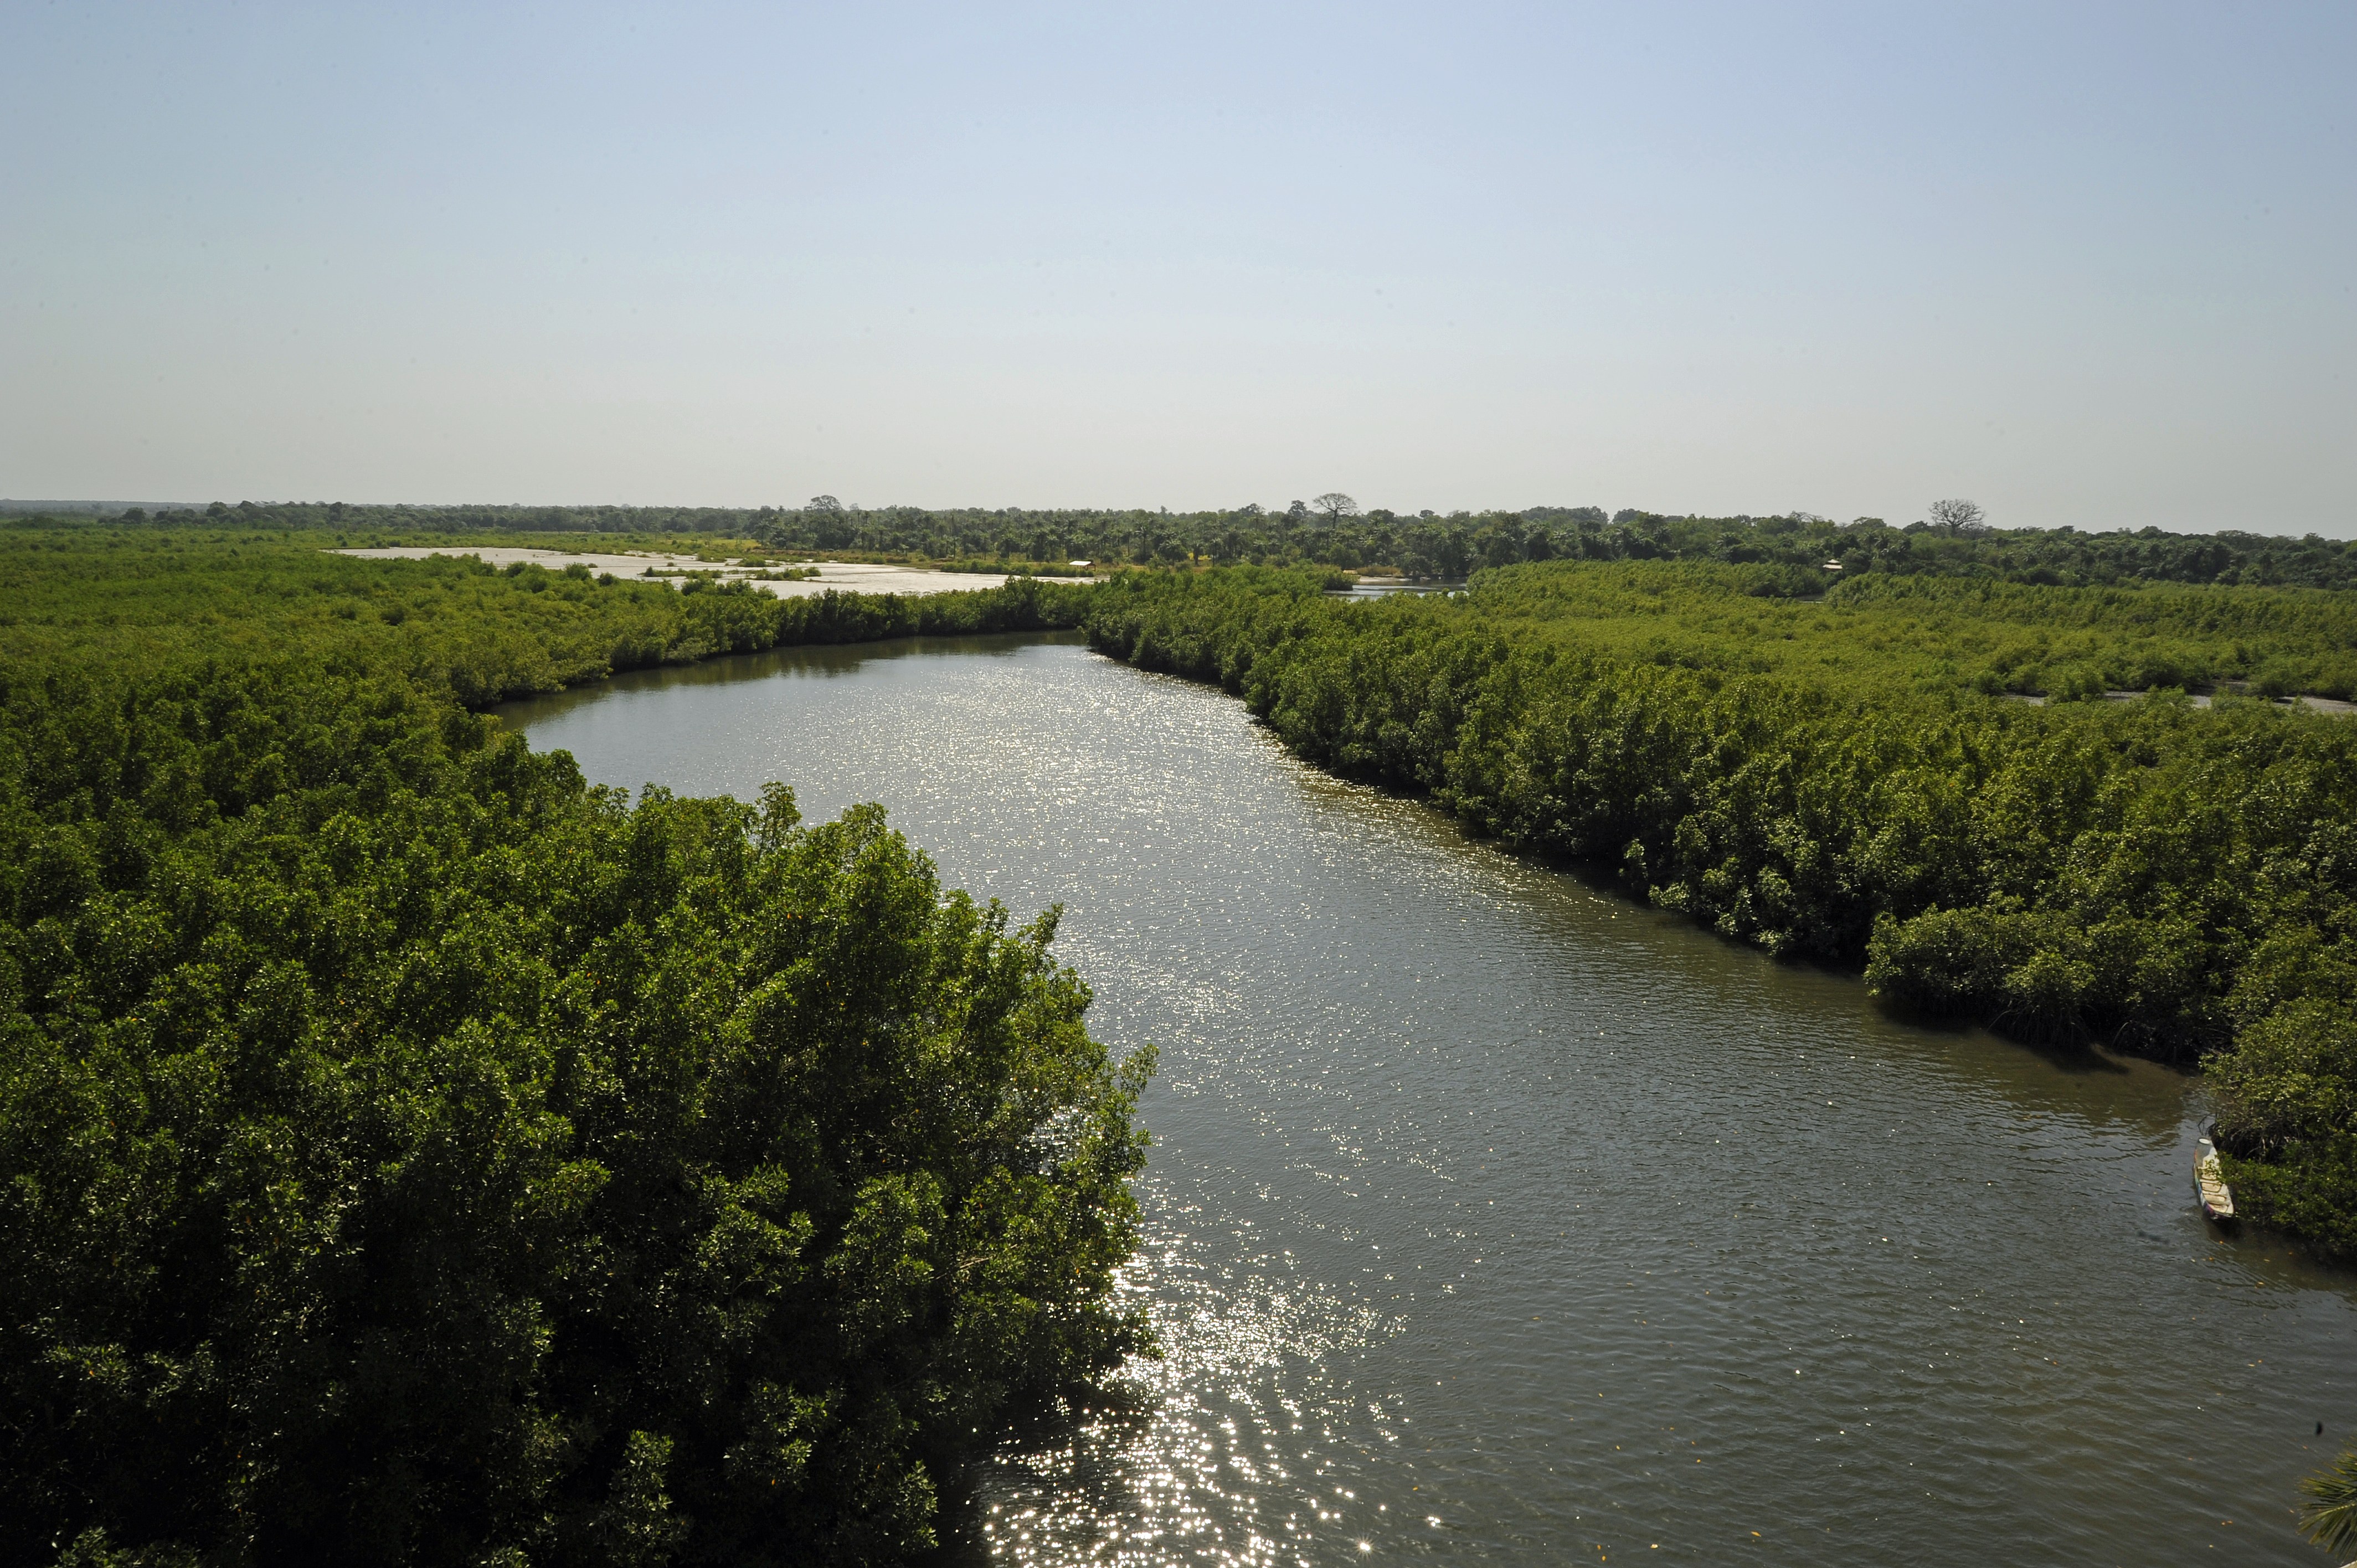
point(2330, 1519)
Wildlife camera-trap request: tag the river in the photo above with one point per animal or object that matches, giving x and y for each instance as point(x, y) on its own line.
point(1494, 1217)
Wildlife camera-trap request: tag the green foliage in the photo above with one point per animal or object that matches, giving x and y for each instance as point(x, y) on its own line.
point(2330, 1516)
point(89, 598)
point(2292, 1081)
point(409, 1154)
point(1797, 544)
point(1936, 634)
point(1831, 779)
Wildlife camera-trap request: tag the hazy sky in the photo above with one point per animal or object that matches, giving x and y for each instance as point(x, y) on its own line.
point(2085, 264)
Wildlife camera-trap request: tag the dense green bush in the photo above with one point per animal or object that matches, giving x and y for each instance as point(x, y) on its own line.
point(1828, 780)
point(409, 1154)
point(86, 598)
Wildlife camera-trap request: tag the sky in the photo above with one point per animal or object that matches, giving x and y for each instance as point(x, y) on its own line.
point(2085, 265)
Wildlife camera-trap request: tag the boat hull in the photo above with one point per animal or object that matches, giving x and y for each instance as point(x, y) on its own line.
point(2209, 1189)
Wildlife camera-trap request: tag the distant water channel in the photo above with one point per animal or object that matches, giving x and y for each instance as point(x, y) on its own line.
point(1492, 1217)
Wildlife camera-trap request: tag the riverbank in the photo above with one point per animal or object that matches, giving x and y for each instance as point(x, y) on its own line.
point(1822, 778)
point(1472, 1179)
point(251, 713)
point(2164, 879)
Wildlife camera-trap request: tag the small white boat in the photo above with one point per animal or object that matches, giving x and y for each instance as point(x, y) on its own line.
point(2210, 1186)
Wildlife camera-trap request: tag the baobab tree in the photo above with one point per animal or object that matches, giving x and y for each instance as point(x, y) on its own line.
point(1959, 516)
point(1335, 506)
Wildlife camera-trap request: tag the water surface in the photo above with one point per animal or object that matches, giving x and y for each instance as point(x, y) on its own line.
point(1492, 1217)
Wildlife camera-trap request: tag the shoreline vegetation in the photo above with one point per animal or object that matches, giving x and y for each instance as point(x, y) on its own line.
point(408, 1151)
point(1836, 778)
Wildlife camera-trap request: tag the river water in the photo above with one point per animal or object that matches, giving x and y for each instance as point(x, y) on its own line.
point(1493, 1217)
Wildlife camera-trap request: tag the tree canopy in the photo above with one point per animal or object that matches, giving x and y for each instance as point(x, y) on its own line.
point(411, 1155)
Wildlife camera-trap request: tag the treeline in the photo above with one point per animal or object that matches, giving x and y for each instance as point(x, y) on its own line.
point(85, 598)
point(2174, 881)
point(1941, 634)
point(1427, 545)
point(411, 1155)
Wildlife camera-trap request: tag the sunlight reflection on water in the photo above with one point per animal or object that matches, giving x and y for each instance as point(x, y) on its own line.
point(1493, 1216)
point(1238, 1440)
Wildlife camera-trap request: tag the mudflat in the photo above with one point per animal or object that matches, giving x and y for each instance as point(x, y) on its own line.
point(842, 576)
